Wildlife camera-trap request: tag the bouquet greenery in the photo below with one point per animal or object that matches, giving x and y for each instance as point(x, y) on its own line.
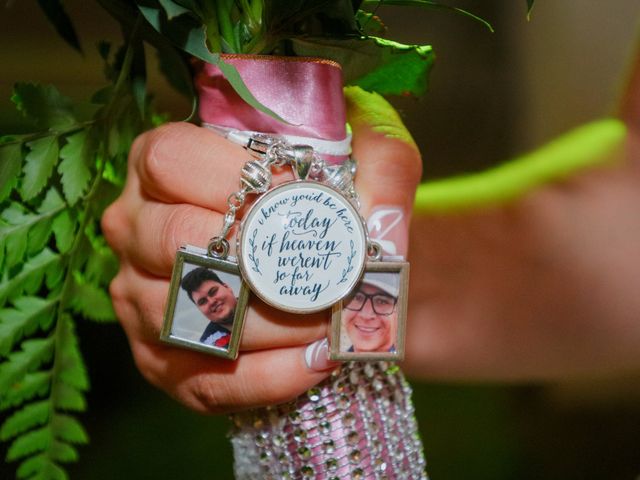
point(55, 182)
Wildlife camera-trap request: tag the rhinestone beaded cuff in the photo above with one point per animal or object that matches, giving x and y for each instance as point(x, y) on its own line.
point(357, 424)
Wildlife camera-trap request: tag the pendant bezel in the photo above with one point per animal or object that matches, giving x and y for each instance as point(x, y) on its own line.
point(180, 316)
point(341, 345)
point(249, 265)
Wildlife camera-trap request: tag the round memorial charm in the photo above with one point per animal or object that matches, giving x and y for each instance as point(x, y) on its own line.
point(302, 247)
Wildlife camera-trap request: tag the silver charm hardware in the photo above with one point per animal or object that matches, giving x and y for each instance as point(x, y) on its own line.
point(255, 176)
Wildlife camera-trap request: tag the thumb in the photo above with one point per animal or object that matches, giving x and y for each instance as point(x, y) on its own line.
point(389, 168)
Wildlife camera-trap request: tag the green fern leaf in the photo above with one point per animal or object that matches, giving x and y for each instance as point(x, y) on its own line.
point(39, 235)
point(33, 354)
point(20, 228)
point(35, 384)
point(51, 471)
point(64, 223)
point(69, 398)
point(44, 105)
point(10, 165)
point(31, 466)
point(102, 264)
point(91, 301)
point(56, 14)
point(72, 370)
point(28, 314)
point(529, 7)
point(67, 428)
point(64, 230)
point(38, 166)
point(30, 443)
point(33, 415)
point(63, 452)
point(29, 279)
point(74, 167)
point(42, 467)
point(14, 233)
point(38, 309)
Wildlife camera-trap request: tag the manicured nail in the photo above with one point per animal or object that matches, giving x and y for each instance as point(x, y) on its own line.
point(388, 226)
point(316, 356)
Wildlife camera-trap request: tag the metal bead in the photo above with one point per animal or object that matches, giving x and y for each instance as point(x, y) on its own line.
point(255, 176)
point(339, 176)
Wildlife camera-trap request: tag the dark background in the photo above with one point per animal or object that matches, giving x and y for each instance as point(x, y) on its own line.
point(492, 96)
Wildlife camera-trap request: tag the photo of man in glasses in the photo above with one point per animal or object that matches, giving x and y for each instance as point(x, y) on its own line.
point(370, 314)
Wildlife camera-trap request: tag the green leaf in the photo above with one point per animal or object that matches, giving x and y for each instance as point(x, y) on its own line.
point(173, 9)
point(55, 12)
point(375, 64)
point(20, 229)
point(30, 443)
point(138, 75)
point(14, 234)
point(72, 370)
point(63, 452)
point(69, 398)
point(67, 428)
point(190, 35)
point(33, 415)
point(42, 309)
point(427, 4)
point(32, 385)
point(10, 166)
point(51, 471)
point(32, 465)
point(39, 235)
point(369, 24)
point(34, 353)
point(529, 8)
point(29, 314)
point(91, 301)
point(101, 266)
point(39, 164)
point(74, 167)
point(64, 230)
point(175, 69)
point(29, 279)
point(44, 105)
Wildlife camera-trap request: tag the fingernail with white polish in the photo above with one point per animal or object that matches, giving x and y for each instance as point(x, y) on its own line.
point(316, 356)
point(387, 225)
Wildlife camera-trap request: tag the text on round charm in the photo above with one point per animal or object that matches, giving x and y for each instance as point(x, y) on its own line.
point(302, 247)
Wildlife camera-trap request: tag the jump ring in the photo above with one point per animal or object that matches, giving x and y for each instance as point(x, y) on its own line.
point(218, 248)
point(374, 251)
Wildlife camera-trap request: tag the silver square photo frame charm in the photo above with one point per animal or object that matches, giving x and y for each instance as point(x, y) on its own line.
point(207, 304)
point(369, 324)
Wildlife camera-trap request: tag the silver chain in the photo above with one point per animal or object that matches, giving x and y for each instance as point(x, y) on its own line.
point(255, 178)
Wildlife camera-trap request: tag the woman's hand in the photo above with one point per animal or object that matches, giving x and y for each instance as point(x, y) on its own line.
point(178, 181)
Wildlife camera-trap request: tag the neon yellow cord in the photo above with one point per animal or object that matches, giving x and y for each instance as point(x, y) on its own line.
point(584, 147)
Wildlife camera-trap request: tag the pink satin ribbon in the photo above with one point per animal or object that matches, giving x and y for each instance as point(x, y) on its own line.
point(306, 92)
